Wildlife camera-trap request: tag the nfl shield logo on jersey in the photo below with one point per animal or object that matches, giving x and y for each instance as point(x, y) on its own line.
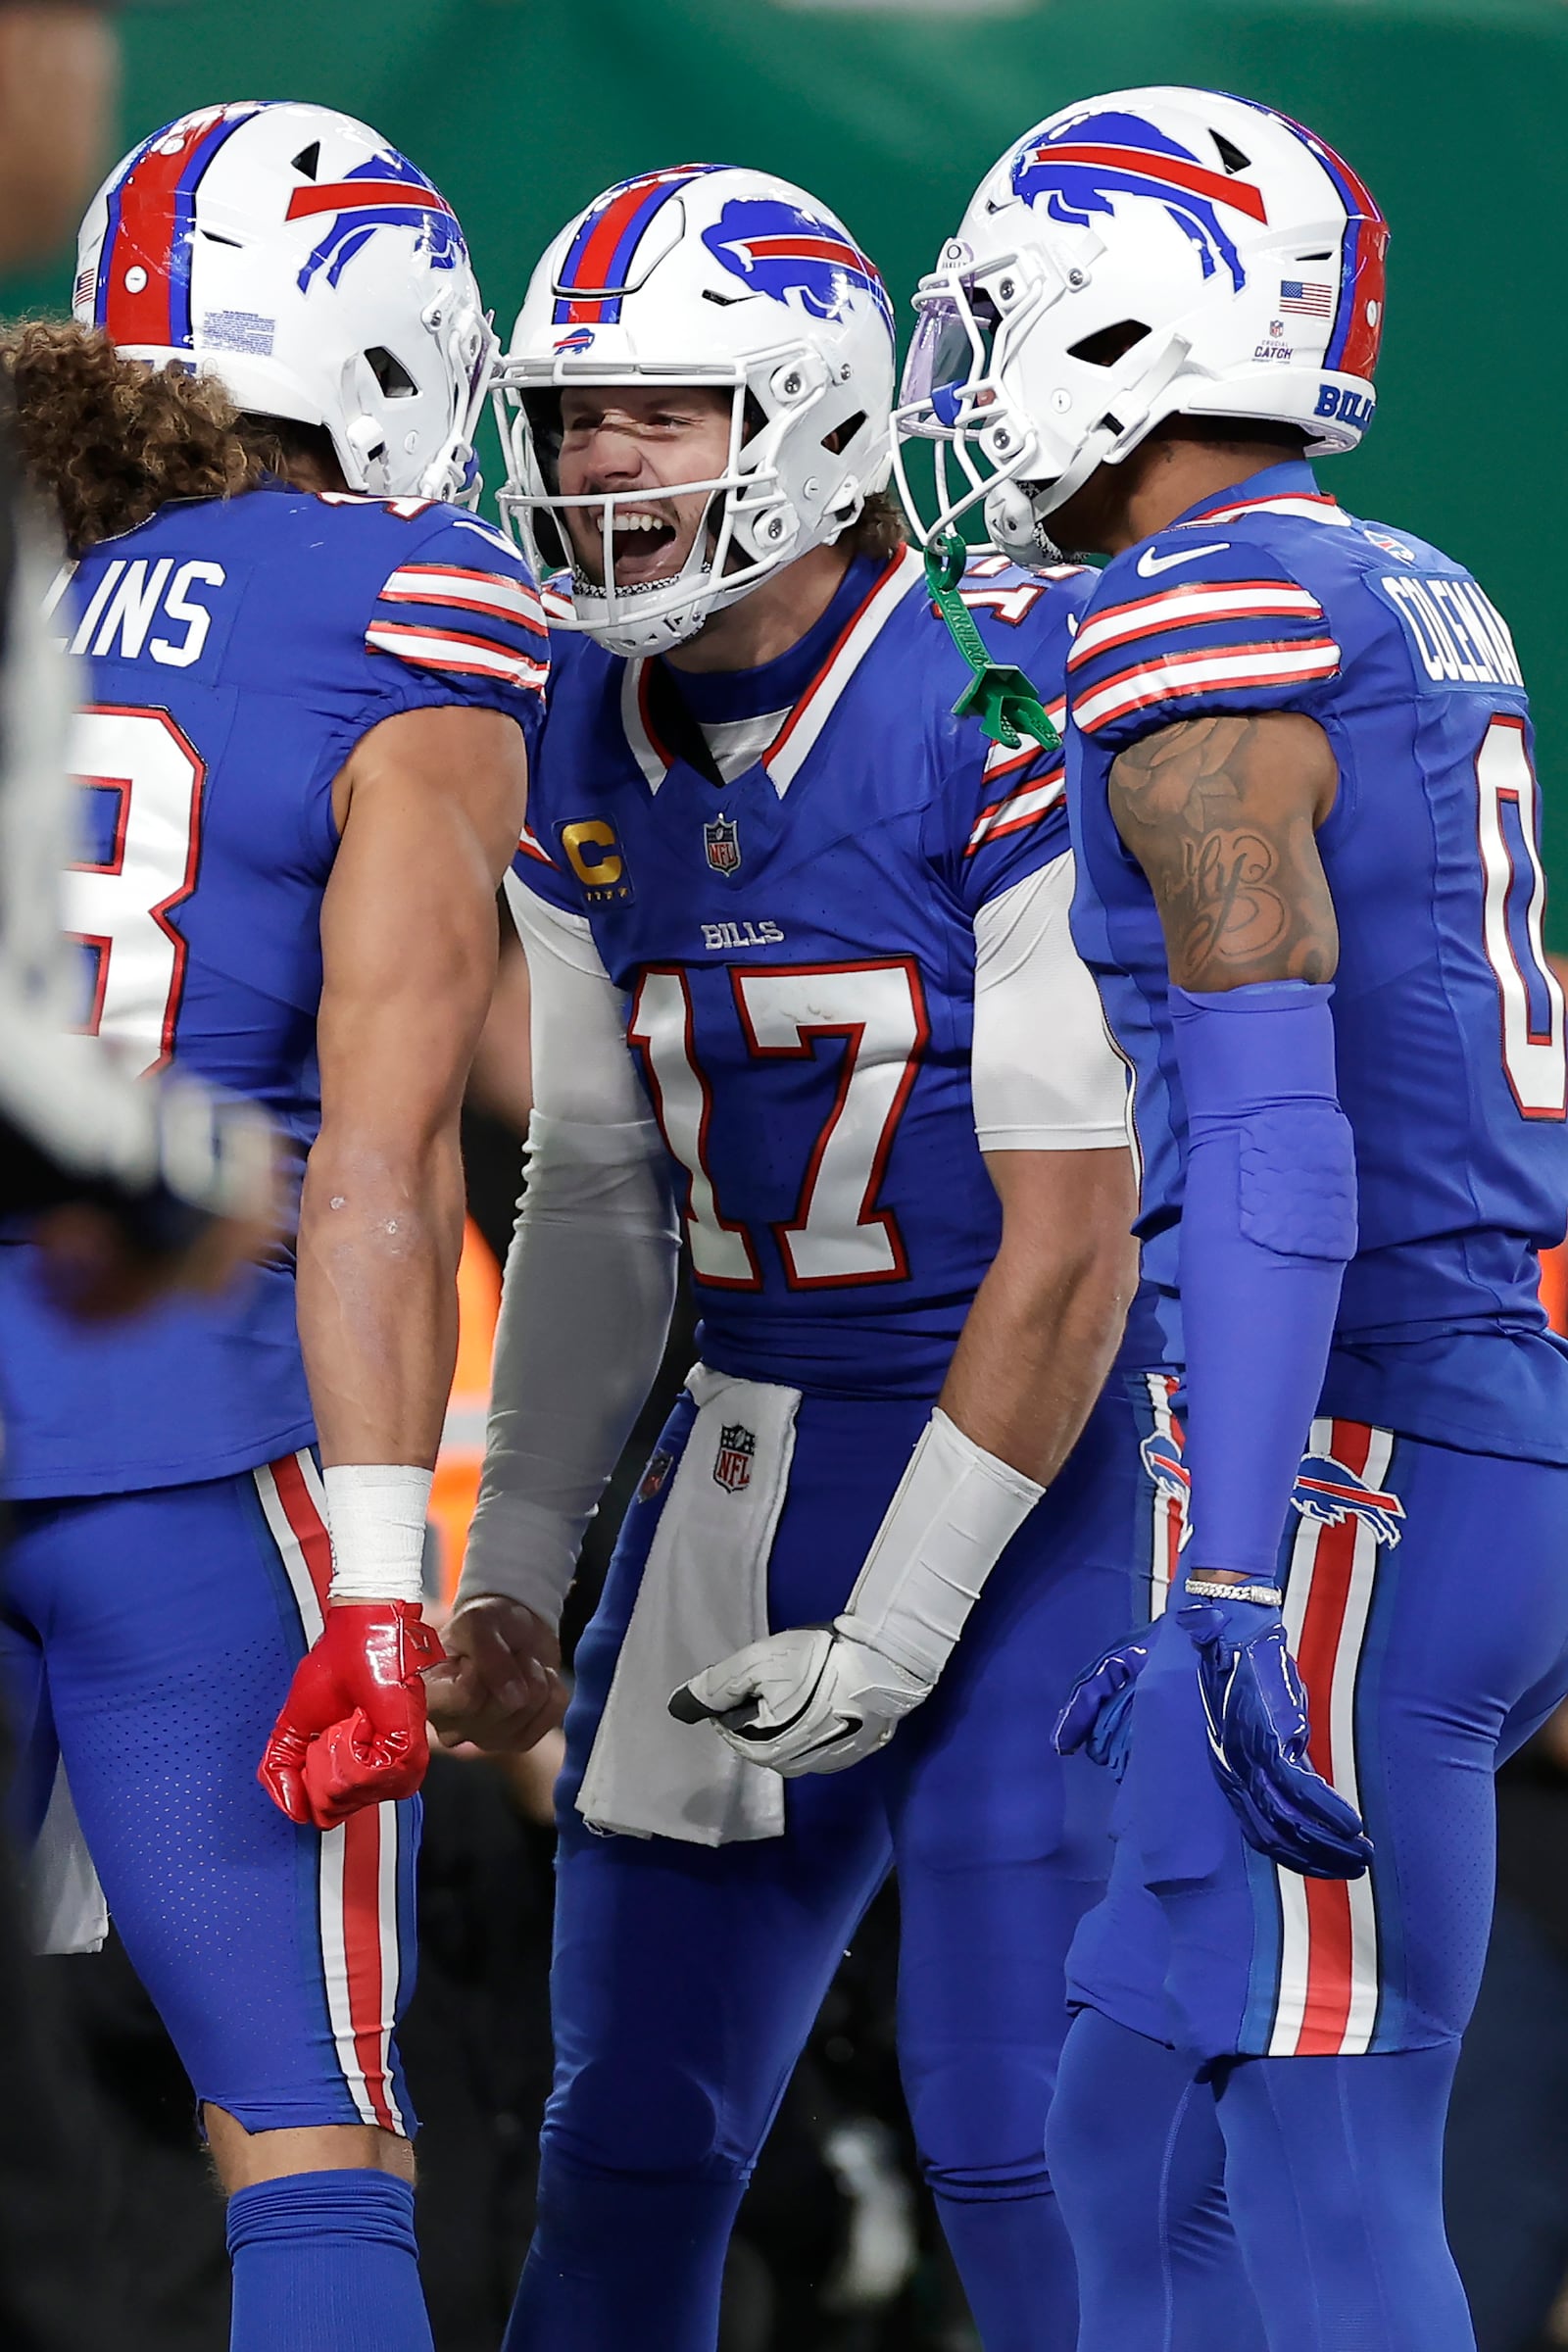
point(653, 1477)
point(723, 840)
point(732, 1466)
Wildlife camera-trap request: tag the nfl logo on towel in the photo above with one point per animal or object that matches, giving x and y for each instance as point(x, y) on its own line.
point(732, 1466)
point(723, 840)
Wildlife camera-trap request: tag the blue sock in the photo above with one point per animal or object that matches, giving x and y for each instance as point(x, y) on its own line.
point(1138, 2161)
point(620, 2261)
point(1335, 2172)
point(1016, 2261)
point(326, 2262)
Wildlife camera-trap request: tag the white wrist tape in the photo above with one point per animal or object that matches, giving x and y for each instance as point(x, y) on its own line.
point(955, 1513)
point(375, 1513)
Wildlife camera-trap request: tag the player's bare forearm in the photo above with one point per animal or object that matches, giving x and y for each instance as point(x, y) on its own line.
point(380, 1236)
point(1221, 815)
point(1047, 1320)
point(430, 806)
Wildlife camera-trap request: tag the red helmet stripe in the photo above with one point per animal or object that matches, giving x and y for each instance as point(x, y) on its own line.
point(809, 249)
point(364, 195)
point(593, 268)
point(1165, 171)
point(143, 239)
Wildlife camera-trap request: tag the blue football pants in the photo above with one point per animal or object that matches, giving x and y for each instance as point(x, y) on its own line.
point(148, 1641)
point(1430, 1619)
point(686, 1978)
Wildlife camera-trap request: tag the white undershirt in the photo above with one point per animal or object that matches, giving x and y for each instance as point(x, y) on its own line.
point(1043, 1073)
point(736, 744)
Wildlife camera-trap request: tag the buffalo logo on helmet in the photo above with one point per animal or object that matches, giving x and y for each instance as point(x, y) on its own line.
point(387, 192)
point(732, 1464)
point(1086, 166)
point(1327, 1491)
point(722, 838)
point(774, 248)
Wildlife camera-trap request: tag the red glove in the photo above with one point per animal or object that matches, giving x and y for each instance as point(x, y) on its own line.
point(352, 1729)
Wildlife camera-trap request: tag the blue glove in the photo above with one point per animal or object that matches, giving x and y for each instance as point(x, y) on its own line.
point(1098, 1716)
point(1257, 1737)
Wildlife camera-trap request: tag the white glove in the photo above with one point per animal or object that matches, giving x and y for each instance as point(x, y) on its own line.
point(813, 1699)
point(817, 1698)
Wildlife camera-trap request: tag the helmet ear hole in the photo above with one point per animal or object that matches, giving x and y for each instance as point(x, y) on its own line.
point(1107, 344)
point(843, 434)
point(390, 373)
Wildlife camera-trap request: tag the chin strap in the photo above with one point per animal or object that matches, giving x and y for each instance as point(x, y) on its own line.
point(999, 694)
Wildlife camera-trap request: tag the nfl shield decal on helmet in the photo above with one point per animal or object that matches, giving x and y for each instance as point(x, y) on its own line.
point(732, 1464)
point(722, 840)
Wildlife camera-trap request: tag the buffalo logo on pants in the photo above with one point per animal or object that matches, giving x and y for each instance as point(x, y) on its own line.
point(732, 1465)
point(1162, 1460)
point(1326, 1489)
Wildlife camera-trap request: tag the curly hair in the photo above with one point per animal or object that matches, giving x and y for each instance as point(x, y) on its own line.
point(109, 440)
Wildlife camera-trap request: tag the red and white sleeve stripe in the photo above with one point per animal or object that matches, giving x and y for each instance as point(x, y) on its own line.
point(488, 591)
point(462, 621)
point(530, 845)
point(1188, 608)
point(1173, 677)
point(1040, 780)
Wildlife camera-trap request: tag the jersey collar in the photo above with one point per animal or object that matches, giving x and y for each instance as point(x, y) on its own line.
point(792, 744)
point(1289, 489)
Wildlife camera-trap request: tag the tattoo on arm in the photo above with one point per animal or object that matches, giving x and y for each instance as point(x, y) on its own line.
point(1221, 815)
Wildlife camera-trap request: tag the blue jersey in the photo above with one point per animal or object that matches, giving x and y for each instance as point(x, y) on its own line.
point(238, 651)
point(1448, 1022)
point(797, 954)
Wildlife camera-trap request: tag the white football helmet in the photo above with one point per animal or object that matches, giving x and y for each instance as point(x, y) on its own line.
point(703, 275)
point(1137, 257)
point(290, 252)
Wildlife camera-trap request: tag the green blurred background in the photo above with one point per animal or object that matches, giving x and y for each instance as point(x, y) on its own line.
point(1452, 110)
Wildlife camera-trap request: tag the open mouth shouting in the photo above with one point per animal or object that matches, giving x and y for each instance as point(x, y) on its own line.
point(646, 544)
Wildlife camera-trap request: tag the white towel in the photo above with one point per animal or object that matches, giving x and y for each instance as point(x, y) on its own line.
point(65, 1902)
point(702, 1596)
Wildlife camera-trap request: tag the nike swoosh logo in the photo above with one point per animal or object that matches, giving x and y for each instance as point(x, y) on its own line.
point(1150, 565)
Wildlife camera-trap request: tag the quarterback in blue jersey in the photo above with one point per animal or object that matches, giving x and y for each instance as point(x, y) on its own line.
point(1306, 817)
point(304, 763)
point(867, 1074)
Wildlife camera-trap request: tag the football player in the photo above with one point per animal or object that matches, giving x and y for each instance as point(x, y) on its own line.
point(867, 1076)
point(304, 767)
point(1305, 816)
